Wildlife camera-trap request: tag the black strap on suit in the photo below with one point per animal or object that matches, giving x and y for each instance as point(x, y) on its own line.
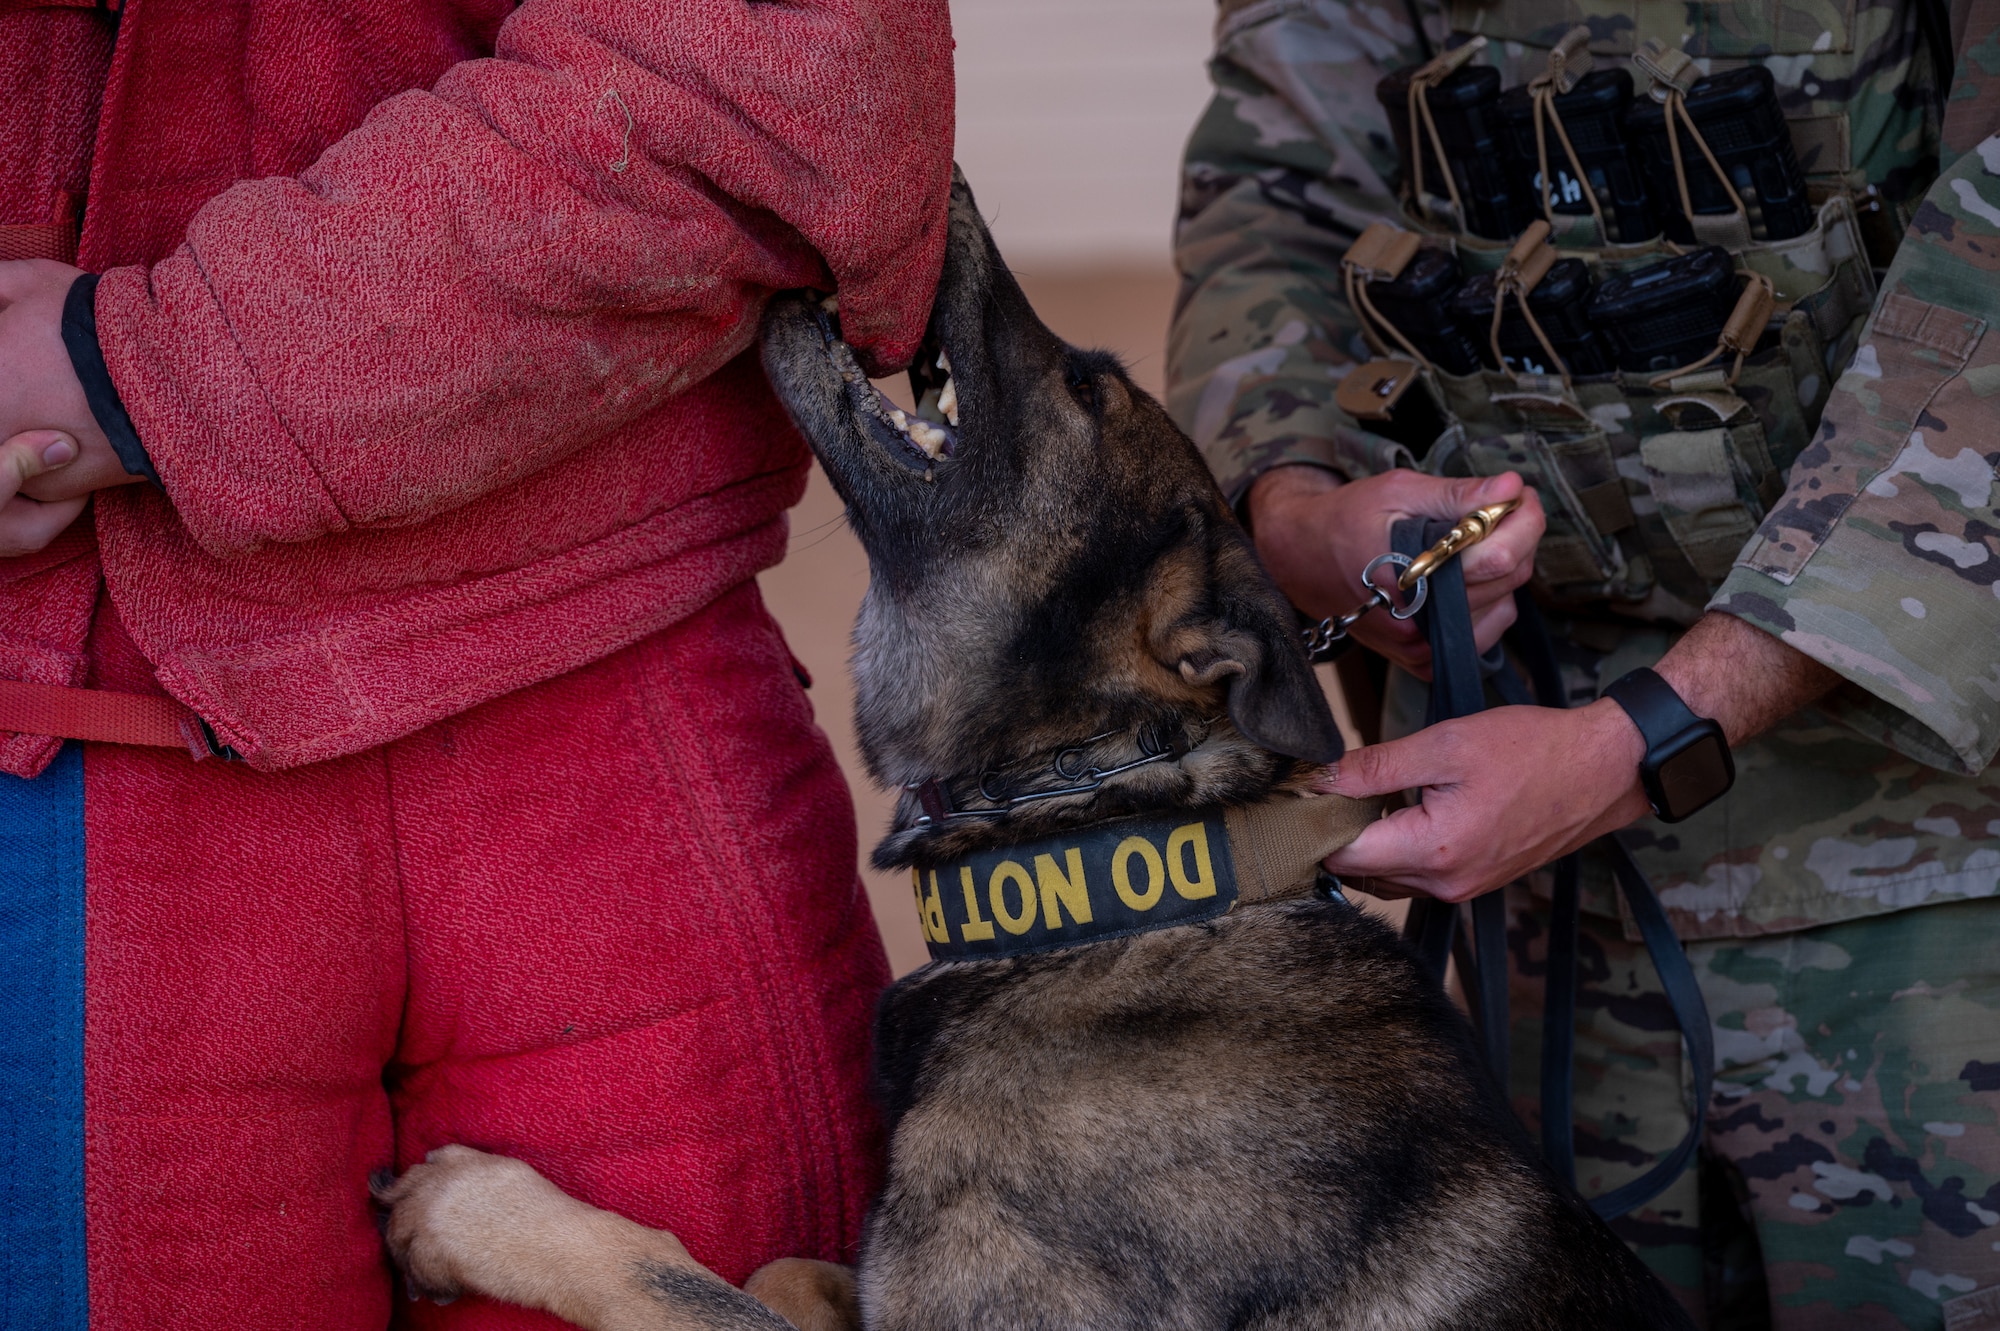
point(1459, 677)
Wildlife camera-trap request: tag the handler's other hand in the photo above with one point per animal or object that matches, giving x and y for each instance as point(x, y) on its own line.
point(1504, 792)
point(54, 455)
point(26, 525)
point(1316, 533)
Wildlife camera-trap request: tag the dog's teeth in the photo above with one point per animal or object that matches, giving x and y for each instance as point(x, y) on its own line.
point(948, 400)
point(902, 421)
point(831, 304)
point(944, 361)
point(928, 437)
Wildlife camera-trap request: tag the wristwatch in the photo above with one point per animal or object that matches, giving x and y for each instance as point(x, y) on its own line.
point(1687, 764)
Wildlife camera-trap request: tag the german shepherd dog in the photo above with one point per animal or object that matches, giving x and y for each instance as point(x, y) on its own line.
point(1272, 1118)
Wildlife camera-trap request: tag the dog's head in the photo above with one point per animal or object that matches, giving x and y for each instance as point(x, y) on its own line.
point(1057, 587)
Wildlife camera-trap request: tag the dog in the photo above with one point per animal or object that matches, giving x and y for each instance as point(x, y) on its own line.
point(1263, 1116)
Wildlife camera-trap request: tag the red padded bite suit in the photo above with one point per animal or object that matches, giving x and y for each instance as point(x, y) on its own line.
point(436, 318)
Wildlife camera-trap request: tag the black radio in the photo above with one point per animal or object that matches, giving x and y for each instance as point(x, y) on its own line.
point(1558, 302)
point(1465, 106)
point(1592, 114)
point(1668, 314)
point(1738, 115)
point(1418, 303)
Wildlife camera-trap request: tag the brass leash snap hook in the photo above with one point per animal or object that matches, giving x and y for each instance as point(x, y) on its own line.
point(1471, 529)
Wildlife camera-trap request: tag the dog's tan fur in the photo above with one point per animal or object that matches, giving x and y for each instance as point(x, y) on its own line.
point(1272, 1119)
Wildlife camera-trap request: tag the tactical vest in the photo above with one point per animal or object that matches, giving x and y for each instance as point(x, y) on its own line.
point(1652, 485)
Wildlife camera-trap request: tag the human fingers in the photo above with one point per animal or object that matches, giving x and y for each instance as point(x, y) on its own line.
point(1402, 853)
point(1490, 624)
point(1481, 595)
point(96, 466)
point(1394, 764)
point(1505, 559)
point(22, 279)
point(30, 454)
point(28, 525)
point(1452, 499)
point(1507, 556)
point(1503, 791)
point(1389, 855)
point(1397, 641)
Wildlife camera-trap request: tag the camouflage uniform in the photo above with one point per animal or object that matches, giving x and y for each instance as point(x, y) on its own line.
point(1860, 1037)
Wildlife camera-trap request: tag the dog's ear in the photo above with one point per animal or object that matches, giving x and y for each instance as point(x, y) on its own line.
point(1274, 699)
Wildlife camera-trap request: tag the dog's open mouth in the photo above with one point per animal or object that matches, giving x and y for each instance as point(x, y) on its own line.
point(919, 440)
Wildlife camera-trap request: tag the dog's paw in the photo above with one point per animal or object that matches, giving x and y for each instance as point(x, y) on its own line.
point(812, 1296)
point(452, 1216)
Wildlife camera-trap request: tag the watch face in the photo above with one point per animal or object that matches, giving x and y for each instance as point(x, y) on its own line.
point(1697, 771)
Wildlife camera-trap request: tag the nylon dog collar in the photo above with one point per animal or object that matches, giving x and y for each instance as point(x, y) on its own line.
point(1112, 880)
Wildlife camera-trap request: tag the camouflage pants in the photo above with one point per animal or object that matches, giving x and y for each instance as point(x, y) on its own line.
point(1851, 1173)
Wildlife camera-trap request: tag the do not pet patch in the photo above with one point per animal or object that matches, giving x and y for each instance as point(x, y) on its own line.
point(1106, 881)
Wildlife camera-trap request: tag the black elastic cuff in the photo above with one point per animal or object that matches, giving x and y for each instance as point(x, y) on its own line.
point(79, 331)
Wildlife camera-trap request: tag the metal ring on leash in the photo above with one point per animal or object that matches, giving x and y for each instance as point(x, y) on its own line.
point(1418, 594)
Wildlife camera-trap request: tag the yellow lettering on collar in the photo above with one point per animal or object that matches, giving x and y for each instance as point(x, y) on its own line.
point(1121, 873)
point(977, 929)
point(1060, 890)
point(930, 909)
point(1007, 871)
point(1201, 882)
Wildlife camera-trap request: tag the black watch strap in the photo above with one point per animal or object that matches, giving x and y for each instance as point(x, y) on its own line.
point(1652, 704)
point(1687, 764)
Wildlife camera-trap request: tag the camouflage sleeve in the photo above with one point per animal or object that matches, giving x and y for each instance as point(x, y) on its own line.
point(1289, 162)
point(1882, 559)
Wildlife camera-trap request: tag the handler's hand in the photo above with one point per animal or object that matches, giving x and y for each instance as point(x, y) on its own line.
point(54, 455)
point(1316, 533)
point(1504, 792)
point(26, 525)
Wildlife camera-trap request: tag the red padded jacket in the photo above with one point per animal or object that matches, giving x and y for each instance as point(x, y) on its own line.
point(435, 317)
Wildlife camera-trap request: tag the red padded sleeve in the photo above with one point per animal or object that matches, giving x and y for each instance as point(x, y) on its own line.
point(485, 277)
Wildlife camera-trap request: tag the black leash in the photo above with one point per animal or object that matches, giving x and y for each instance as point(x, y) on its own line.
point(1459, 676)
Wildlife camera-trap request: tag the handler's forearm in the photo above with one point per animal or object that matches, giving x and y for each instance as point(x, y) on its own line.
point(1283, 486)
point(1747, 680)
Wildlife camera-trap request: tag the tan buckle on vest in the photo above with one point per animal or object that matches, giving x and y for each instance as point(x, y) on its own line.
point(1569, 60)
point(1753, 311)
point(1529, 261)
point(1668, 67)
point(1382, 252)
point(1371, 390)
point(1446, 63)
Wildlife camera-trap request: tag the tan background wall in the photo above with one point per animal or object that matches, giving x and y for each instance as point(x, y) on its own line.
point(1071, 119)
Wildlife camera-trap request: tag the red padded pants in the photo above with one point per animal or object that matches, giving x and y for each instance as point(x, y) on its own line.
point(609, 924)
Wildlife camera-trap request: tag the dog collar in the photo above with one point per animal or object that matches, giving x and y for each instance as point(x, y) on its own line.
point(1135, 875)
point(1074, 769)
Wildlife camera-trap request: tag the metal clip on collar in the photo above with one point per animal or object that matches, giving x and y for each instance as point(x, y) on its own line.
point(1414, 580)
